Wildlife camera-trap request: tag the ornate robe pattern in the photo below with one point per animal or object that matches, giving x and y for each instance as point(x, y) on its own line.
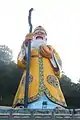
point(43, 79)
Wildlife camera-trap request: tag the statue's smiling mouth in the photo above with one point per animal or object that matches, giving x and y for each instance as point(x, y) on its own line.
point(39, 37)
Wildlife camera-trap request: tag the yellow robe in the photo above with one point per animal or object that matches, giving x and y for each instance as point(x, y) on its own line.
point(43, 79)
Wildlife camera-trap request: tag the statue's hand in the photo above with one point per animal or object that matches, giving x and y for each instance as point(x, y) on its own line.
point(28, 37)
point(46, 51)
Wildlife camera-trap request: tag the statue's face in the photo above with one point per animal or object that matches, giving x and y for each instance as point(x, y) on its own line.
point(39, 34)
point(39, 39)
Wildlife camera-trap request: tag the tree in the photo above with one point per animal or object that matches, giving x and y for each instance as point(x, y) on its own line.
point(5, 54)
point(9, 76)
point(71, 92)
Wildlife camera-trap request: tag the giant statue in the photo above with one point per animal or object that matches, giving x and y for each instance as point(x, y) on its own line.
point(45, 73)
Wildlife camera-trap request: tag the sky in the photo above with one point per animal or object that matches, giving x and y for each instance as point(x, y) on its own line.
point(60, 18)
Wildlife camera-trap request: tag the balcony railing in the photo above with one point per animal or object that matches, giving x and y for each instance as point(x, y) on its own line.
point(26, 114)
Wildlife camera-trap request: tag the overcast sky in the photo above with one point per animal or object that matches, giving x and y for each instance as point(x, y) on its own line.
point(60, 18)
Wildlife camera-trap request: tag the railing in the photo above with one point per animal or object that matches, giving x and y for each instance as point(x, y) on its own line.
point(26, 114)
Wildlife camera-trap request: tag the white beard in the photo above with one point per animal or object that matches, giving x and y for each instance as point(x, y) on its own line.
point(36, 43)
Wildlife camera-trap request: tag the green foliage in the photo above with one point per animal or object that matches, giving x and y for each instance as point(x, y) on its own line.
point(71, 92)
point(5, 54)
point(9, 77)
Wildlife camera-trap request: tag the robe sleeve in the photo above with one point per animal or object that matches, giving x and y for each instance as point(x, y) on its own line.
point(58, 72)
point(21, 59)
point(56, 63)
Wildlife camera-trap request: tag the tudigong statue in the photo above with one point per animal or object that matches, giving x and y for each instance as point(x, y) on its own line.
point(45, 72)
